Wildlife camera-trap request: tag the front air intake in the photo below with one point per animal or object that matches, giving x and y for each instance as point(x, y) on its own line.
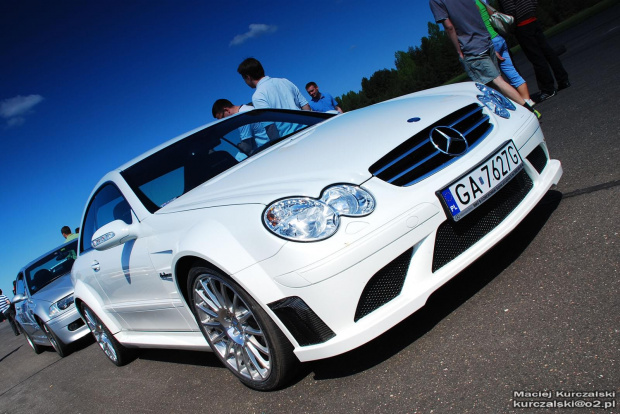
point(301, 321)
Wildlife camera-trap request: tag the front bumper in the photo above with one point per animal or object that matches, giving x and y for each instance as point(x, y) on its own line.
point(332, 287)
point(68, 326)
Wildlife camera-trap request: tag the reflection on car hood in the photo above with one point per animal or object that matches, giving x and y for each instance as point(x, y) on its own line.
point(56, 290)
point(340, 150)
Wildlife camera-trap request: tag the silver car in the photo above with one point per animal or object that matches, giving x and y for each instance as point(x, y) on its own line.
point(44, 307)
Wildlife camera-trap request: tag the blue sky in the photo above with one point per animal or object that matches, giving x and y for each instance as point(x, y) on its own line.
point(87, 85)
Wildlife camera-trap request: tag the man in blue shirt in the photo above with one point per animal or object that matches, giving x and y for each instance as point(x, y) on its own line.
point(321, 102)
point(251, 136)
point(272, 93)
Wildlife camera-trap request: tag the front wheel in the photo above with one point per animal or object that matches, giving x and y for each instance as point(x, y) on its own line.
point(57, 344)
point(117, 353)
point(36, 348)
point(239, 331)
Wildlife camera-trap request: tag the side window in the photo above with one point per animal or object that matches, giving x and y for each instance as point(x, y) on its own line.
point(107, 205)
point(20, 287)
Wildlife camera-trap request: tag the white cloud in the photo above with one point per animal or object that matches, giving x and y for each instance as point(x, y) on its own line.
point(14, 109)
point(255, 31)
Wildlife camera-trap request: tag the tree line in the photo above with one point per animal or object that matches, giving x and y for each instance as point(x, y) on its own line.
point(434, 62)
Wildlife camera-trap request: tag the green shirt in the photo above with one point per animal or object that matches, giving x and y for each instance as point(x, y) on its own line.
point(70, 237)
point(486, 19)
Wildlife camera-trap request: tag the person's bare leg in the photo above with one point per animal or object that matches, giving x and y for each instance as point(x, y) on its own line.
point(510, 92)
point(523, 91)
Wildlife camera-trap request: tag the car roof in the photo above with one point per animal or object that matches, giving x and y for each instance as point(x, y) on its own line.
point(65, 244)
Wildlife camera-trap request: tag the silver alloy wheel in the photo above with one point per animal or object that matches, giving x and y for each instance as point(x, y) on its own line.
point(233, 330)
point(100, 334)
point(30, 342)
point(51, 338)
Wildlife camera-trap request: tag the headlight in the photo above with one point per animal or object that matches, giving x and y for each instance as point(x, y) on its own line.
point(349, 200)
point(495, 101)
point(309, 219)
point(62, 305)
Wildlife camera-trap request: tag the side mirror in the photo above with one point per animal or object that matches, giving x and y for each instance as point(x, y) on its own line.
point(18, 298)
point(113, 234)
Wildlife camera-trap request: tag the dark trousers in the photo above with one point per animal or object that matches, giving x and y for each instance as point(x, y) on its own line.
point(541, 55)
point(9, 315)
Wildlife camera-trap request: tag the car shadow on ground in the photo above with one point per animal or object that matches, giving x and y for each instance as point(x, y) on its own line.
point(198, 358)
point(11, 352)
point(442, 302)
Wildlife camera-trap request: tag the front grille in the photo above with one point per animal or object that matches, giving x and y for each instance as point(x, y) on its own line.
point(305, 325)
point(538, 159)
point(417, 158)
point(384, 286)
point(453, 238)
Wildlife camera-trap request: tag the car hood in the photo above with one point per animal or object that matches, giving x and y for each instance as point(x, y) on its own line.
point(56, 290)
point(339, 150)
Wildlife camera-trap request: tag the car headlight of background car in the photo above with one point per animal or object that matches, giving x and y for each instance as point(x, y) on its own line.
point(311, 219)
point(62, 305)
point(495, 101)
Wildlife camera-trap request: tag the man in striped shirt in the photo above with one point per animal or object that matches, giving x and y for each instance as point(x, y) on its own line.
point(530, 35)
point(8, 312)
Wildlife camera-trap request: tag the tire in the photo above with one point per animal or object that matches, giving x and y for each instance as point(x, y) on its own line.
point(117, 353)
point(239, 331)
point(36, 348)
point(61, 348)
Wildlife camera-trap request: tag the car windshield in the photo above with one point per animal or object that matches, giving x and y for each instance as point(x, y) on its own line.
point(51, 267)
point(182, 166)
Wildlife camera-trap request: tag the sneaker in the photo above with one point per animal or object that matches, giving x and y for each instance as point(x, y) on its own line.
point(546, 95)
point(532, 110)
point(530, 102)
point(563, 85)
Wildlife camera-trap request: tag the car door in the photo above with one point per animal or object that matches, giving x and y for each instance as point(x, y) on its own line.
point(24, 309)
point(133, 292)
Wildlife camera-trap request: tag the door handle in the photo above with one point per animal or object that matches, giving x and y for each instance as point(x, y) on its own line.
point(95, 266)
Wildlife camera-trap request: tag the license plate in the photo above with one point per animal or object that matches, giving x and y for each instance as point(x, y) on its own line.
point(474, 188)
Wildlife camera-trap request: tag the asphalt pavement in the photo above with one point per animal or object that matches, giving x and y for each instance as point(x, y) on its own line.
point(540, 313)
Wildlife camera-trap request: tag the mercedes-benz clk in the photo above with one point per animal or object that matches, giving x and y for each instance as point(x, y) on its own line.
point(309, 245)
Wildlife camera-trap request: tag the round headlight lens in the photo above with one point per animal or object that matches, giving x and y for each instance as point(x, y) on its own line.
point(349, 200)
point(301, 219)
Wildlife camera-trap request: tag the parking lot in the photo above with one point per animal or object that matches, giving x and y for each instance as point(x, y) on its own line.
point(541, 312)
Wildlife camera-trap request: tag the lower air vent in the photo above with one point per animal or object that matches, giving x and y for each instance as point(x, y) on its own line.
point(301, 321)
point(384, 286)
point(538, 159)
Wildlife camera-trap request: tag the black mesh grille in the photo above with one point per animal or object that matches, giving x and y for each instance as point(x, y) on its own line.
point(453, 238)
point(301, 321)
point(384, 286)
point(417, 158)
point(538, 159)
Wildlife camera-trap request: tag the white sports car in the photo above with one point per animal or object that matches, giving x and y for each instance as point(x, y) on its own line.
point(308, 245)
